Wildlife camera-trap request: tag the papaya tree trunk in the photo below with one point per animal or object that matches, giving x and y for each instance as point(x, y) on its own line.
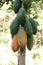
point(21, 56)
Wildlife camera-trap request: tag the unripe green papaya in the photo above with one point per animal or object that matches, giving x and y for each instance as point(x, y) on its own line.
point(17, 5)
point(26, 4)
point(22, 16)
point(34, 25)
point(30, 42)
point(28, 28)
point(14, 27)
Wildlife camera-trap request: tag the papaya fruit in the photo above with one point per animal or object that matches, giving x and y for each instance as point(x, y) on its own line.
point(19, 40)
point(22, 37)
point(30, 42)
point(26, 4)
point(22, 16)
point(17, 5)
point(14, 27)
point(34, 25)
point(15, 45)
point(28, 28)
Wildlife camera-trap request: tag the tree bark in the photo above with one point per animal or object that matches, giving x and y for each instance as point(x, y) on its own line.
point(21, 56)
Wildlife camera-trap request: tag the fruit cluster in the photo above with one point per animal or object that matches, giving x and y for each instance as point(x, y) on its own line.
point(22, 28)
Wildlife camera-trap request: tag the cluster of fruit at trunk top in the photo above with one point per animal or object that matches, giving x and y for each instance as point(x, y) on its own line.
point(20, 23)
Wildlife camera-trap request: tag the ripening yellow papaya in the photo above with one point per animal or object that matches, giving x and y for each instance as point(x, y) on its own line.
point(15, 45)
point(22, 37)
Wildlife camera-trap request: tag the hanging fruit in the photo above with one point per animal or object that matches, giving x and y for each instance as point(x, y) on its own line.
point(34, 25)
point(28, 28)
point(27, 4)
point(22, 16)
point(14, 27)
point(15, 45)
point(22, 37)
point(17, 5)
point(30, 42)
